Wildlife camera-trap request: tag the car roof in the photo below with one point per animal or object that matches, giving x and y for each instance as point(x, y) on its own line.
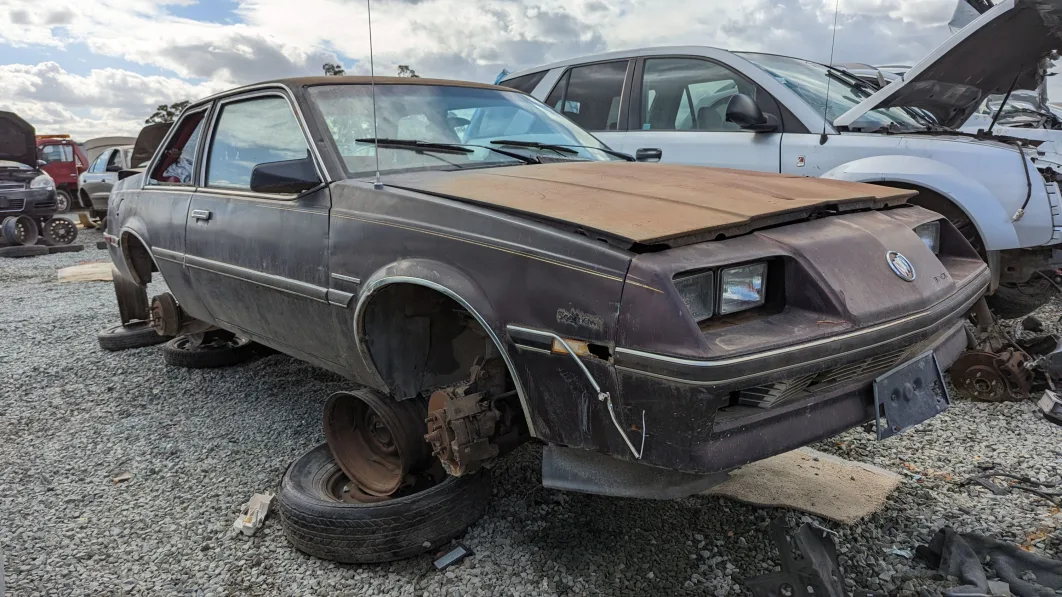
point(616, 55)
point(298, 82)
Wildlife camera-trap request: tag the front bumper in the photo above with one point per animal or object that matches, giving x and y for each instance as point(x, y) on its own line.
point(28, 202)
point(703, 418)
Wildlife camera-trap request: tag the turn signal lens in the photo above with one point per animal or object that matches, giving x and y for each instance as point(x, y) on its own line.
point(698, 292)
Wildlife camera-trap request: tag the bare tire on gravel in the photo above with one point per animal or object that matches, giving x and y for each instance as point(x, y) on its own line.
point(1013, 302)
point(65, 249)
point(319, 523)
point(135, 334)
point(23, 251)
point(19, 230)
point(180, 352)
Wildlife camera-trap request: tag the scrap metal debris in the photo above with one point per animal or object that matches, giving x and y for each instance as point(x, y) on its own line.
point(961, 555)
point(454, 556)
point(121, 477)
point(254, 513)
point(1051, 405)
point(1017, 482)
point(816, 574)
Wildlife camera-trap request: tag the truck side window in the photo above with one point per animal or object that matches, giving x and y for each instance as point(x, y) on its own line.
point(253, 132)
point(683, 94)
point(56, 153)
point(175, 166)
point(590, 95)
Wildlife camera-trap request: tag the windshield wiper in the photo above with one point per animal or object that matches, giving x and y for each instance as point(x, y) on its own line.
point(456, 148)
point(559, 148)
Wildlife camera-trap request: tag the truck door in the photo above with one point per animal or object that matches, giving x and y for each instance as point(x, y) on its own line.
point(680, 103)
point(259, 260)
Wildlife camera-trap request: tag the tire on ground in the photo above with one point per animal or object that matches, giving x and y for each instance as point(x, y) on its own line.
point(319, 524)
point(65, 249)
point(23, 251)
point(1012, 302)
point(180, 353)
point(58, 232)
point(63, 201)
point(136, 334)
point(19, 230)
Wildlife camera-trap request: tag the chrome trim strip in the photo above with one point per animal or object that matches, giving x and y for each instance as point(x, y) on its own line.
point(350, 279)
point(532, 348)
point(359, 336)
point(980, 280)
point(279, 283)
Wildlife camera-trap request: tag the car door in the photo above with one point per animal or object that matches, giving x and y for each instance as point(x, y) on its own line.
point(681, 102)
point(594, 96)
point(259, 260)
point(109, 176)
point(91, 179)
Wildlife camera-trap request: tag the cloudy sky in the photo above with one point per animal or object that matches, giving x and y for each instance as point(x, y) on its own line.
point(99, 67)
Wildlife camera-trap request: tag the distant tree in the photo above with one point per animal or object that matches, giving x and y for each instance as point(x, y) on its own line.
point(333, 70)
point(405, 71)
point(167, 113)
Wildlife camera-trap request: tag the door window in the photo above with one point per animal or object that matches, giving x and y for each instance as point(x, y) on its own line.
point(590, 95)
point(526, 83)
point(682, 94)
point(253, 132)
point(99, 163)
point(57, 153)
point(175, 166)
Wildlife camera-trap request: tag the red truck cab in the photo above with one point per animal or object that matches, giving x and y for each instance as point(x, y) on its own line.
point(64, 161)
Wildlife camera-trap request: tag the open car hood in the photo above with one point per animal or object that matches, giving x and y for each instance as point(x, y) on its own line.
point(1005, 47)
point(18, 140)
point(650, 204)
point(147, 142)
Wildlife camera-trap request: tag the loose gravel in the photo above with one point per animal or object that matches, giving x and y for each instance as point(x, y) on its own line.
point(199, 443)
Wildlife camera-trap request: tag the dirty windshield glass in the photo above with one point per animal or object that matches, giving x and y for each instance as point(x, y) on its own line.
point(474, 118)
point(809, 80)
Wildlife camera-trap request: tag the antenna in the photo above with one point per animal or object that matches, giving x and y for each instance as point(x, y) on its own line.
point(833, 44)
point(377, 184)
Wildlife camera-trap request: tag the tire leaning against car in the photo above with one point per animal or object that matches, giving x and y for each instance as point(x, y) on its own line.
point(1014, 302)
point(135, 334)
point(319, 524)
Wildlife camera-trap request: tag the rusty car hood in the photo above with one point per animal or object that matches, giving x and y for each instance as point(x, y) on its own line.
point(18, 140)
point(651, 203)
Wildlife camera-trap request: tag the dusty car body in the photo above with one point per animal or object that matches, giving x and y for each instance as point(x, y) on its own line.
point(654, 325)
point(97, 181)
point(25, 188)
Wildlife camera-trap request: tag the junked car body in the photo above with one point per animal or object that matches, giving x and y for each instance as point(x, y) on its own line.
point(672, 104)
point(25, 188)
point(655, 325)
point(102, 174)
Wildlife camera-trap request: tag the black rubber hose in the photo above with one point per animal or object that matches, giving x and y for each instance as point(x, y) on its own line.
point(1028, 183)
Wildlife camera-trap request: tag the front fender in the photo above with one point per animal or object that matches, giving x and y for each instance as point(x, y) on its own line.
point(992, 221)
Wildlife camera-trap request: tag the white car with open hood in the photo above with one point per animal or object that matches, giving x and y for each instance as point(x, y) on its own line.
point(712, 107)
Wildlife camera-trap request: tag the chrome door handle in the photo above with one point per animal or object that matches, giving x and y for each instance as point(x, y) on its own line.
point(201, 214)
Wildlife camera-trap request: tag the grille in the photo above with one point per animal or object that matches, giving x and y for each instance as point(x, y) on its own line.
point(12, 186)
point(773, 394)
point(46, 205)
point(12, 204)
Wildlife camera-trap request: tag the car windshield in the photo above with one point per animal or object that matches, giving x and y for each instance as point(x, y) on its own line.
point(809, 80)
point(477, 119)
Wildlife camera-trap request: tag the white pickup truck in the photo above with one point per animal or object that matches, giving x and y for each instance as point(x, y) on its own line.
point(752, 111)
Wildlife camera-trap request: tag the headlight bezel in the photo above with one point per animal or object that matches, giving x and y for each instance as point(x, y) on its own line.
point(771, 283)
point(932, 231)
point(42, 182)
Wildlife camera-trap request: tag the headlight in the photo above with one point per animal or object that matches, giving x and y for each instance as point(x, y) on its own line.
point(930, 235)
point(742, 288)
point(42, 182)
point(697, 291)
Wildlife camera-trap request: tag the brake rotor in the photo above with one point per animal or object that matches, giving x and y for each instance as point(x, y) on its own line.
point(987, 377)
point(375, 440)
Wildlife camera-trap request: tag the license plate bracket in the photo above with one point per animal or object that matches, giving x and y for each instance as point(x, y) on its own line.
point(908, 395)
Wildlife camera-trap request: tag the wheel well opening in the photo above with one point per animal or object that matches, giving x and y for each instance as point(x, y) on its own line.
point(934, 201)
point(136, 255)
point(421, 340)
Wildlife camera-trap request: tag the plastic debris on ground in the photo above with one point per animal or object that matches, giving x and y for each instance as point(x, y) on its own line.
point(454, 556)
point(1051, 404)
point(254, 514)
point(966, 555)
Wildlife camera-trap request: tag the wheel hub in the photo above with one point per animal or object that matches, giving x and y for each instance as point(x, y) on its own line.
point(987, 377)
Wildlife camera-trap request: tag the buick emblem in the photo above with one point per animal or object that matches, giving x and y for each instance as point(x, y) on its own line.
point(900, 266)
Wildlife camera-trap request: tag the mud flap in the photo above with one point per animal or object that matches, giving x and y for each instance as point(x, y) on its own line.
point(908, 395)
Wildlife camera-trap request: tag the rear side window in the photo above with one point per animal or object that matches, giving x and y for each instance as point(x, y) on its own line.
point(526, 83)
point(98, 165)
point(590, 95)
point(176, 165)
point(260, 131)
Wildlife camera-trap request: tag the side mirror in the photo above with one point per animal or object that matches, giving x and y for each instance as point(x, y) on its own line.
point(289, 176)
point(41, 163)
point(743, 111)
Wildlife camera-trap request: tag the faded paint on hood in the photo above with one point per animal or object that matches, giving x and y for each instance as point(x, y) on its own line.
point(651, 203)
point(18, 140)
point(1005, 46)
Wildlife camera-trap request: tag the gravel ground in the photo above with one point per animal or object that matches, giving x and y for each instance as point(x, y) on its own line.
point(199, 443)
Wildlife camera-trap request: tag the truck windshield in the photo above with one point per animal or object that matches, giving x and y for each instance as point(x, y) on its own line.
point(809, 80)
point(473, 118)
